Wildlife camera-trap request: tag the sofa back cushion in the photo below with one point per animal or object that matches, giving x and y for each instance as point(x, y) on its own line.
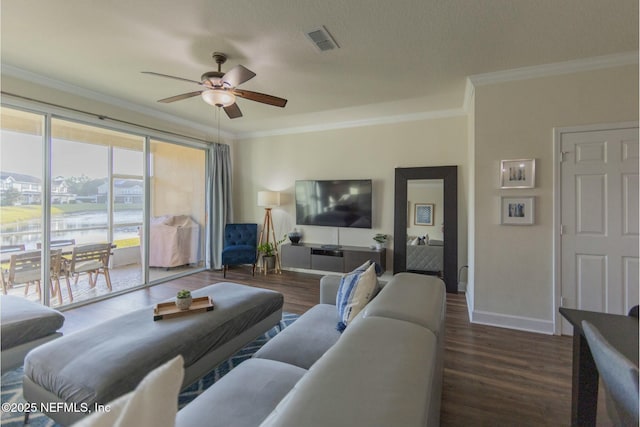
point(414, 298)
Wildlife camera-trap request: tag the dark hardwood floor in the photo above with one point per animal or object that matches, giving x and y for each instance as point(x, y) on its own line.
point(492, 377)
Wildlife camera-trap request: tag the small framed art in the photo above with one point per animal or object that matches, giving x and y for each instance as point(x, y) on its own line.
point(423, 214)
point(518, 173)
point(517, 210)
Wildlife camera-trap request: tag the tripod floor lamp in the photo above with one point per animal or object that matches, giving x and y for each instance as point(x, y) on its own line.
point(268, 199)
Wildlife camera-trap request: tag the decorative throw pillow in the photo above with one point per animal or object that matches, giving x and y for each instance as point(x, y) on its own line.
point(355, 291)
point(154, 402)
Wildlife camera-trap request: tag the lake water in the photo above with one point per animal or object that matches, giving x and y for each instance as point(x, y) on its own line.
point(84, 227)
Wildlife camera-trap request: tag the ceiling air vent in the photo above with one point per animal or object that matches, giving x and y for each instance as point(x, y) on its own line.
point(321, 39)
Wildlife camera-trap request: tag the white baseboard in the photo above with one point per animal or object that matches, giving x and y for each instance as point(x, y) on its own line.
point(512, 322)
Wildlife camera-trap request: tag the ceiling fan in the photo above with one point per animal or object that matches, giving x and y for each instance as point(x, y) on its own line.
point(220, 89)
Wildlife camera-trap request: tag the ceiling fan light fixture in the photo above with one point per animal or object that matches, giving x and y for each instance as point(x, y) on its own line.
point(218, 97)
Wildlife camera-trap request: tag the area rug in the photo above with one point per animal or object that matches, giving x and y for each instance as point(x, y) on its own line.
point(11, 382)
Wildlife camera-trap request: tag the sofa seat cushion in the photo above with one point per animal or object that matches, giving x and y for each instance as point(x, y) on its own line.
point(306, 340)
point(243, 397)
point(414, 298)
point(23, 321)
point(379, 374)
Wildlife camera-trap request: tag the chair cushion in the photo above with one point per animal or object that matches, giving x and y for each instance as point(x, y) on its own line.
point(239, 254)
point(84, 266)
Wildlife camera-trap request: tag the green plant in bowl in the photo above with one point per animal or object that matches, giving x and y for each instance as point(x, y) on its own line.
point(183, 299)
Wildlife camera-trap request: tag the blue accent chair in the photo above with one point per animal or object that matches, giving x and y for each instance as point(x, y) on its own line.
point(240, 246)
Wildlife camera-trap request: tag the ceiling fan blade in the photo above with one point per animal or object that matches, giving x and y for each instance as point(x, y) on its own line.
point(260, 97)
point(172, 77)
point(233, 111)
point(180, 97)
point(237, 75)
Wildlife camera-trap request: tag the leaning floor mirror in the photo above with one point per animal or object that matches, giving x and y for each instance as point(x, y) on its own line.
point(426, 222)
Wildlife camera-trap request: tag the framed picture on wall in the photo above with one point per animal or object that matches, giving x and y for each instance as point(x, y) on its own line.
point(517, 210)
point(518, 173)
point(424, 213)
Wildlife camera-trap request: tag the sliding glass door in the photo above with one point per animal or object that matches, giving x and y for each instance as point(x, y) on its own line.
point(177, 201)
point(102, 172)
point(21, 201)
point(69, 188)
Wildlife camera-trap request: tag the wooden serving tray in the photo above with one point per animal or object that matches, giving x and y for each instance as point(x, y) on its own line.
point(167, 310)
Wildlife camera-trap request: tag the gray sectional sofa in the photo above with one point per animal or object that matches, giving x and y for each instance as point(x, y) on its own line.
point(385, 369)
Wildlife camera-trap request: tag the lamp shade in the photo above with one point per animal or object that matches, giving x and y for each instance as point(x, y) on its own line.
point(268, 198)
point(218, 97)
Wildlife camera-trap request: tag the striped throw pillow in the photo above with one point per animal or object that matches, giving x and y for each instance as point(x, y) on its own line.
point(355, 291)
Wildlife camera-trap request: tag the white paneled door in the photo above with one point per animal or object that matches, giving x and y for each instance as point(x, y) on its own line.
point(599, 217)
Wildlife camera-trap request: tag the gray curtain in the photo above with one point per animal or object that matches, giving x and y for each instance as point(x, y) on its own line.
point(218, 201)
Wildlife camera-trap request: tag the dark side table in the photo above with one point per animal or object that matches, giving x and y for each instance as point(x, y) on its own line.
point(621, 332)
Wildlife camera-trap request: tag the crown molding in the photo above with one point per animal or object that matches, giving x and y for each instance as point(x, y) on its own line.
point(72, 89)
point(557, 68)
point(382, 120)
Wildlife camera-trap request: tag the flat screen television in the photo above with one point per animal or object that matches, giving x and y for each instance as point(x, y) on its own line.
point(338, 203)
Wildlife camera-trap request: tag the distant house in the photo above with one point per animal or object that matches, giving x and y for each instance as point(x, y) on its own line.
point(30, 188)
point(124, 191)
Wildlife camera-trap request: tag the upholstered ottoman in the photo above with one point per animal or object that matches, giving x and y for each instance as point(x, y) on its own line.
point(25, 325)
point(98, 364)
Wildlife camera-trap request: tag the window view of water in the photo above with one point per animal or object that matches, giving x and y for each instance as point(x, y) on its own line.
point(84, 227)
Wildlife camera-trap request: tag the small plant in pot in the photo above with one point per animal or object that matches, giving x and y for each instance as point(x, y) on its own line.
point(380, 240)
point(267, 250)
point(183, 299)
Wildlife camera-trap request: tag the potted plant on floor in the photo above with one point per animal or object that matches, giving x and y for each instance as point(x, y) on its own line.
point(183, 299)
point(268, 252)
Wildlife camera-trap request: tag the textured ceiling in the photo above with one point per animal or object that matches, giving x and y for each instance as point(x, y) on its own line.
point(395, 58)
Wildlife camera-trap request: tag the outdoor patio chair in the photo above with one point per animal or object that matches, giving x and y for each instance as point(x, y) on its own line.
point(92, 259)
point(55, 266)
point(25, 268)
point(4, 268)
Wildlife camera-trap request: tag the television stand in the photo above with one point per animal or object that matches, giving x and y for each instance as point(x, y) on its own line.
point(336, 258)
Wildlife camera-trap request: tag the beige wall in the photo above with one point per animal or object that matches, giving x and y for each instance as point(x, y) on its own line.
point(371, 152)
point(513, 265)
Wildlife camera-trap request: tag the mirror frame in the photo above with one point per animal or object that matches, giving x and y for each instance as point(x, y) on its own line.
point(449, 174)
